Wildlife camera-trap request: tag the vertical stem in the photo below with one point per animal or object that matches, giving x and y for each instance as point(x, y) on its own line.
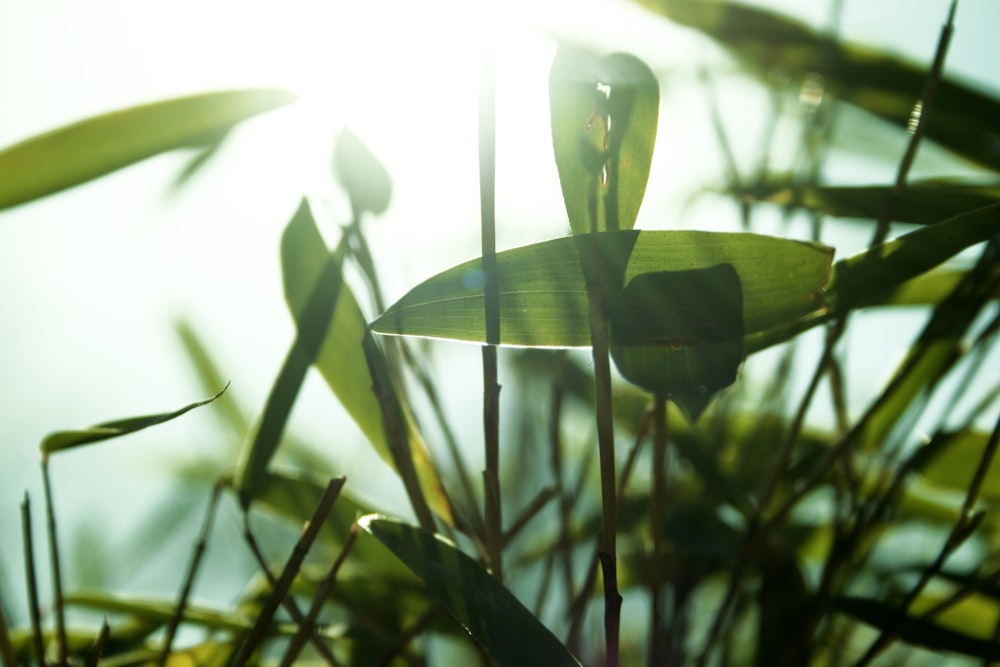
point(56, 570)
point(32, 581)
point(657, 646)
point(491, 387)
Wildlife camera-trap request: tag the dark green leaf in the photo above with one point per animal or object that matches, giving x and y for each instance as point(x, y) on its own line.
point(543, 297)
point(604, 114)
point(955, 462)
point(922, 202)
point(962, 119)
point(315, 315)
point(113, 429)
point(492, 615)
point(74, 154)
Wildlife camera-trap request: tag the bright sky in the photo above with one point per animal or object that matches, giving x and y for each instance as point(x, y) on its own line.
point(91, 280)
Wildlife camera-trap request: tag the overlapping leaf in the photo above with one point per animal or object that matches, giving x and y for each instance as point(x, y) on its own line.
point(497, 620)
point(543, 297)
point(90, 148)
point(604, 113)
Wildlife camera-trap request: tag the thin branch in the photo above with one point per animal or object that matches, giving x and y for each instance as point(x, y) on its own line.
point(96, 651)
point(32, 581)
point(658, 502)
point(56, 570)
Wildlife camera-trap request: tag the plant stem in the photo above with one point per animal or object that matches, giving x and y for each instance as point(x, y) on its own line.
point(658, 501)
point(491, 387)
point(56, 570)
point(32, 581)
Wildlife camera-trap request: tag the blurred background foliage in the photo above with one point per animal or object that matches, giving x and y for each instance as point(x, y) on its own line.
point(835, 506)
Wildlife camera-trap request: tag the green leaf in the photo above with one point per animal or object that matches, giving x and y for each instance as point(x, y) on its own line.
point(919, 632)
point(315, 312)
point(962, 119)
point(864, 278)
point(159, 611)
point(74, 154)
point(543, 297)
point(367, 182)
point(922, 202)
point(492, 615)
point(67, 439)
point(604, 114)
point(339, 358)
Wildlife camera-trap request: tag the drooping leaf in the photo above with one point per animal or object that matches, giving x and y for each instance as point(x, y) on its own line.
point(919, 632)
point(362, 175)
point(604, 113)
point(962, 119)
point(339, 359)
point(315, 313)
point(492, 615)
point(74, 154)
point(922, 202)
point(209, 376)
point(543, 297)
point(66, 439)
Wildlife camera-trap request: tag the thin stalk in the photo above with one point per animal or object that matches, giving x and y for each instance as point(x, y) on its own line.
point(291, 569)
point(658, 502)
point(6, 648)
point(323, 592)
point(528, 513)
point(418, 626)
point(56, 570)
point(32, 581)
point(965, 525)
point(196, 557)
point(395, 433)
point(491, 387)
point(918, 121)
point(565, 547)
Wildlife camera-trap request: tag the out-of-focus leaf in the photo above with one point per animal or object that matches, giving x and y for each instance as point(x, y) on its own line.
point(963, 119)
point(922, 202)
point(340, 359)
point(493, 616)
point(74, 154)
point(543, 297)
point(955, 463)
point(314, 315)
point(928, 634)
point(198, 161)
point(113, 429)
point(367, 182)
point(209, 376)
point(927, 289)
point(604, 113)
point(159, 611)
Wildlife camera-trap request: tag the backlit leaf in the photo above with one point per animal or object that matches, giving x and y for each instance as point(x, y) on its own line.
point(604, 113)
point(492, 615)
point(955, 463)
point(362, 175)
point(74, 154)
point(113, 429)
point(543, 298)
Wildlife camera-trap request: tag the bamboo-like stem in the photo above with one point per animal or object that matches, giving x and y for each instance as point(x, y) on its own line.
point(491, 388)
point(291, 569)
point(32, 581)
point(657, 505)
point(57, 586)
point(196, 557)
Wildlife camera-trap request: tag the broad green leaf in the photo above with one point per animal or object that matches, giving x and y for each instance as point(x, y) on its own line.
point(66, 439)
point(74, 154)
point(362, 175)
point(543, 298)
point(926, 633)
point(339, 358)
point(956, 461)
point(962, 119)
point(604, 113)
point(315, 313)
point(922, 202)
point(492, 615)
